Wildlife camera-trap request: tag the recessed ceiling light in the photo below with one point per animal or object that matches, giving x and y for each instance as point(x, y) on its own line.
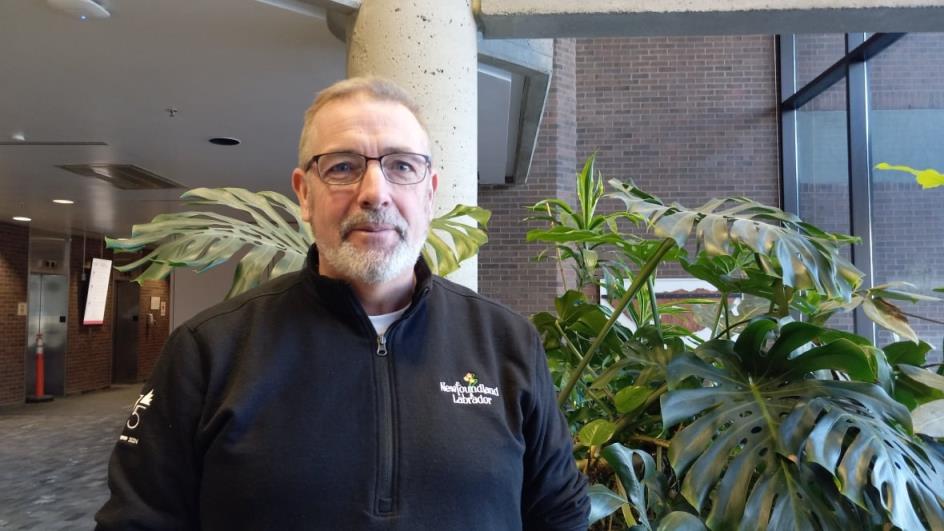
point(225, 141)
point(81, 9)
point(21, 218)
point(63, 201)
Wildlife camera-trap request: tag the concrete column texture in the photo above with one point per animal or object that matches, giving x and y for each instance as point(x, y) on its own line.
point(429, 48)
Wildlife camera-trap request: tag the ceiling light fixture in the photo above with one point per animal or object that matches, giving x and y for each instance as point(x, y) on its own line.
point(225, 141)
point(63, 201)
point(21, 218)
point(18, 136)
point(81, 9)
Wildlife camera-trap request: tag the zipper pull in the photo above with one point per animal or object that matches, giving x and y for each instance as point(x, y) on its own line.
point(382, 345)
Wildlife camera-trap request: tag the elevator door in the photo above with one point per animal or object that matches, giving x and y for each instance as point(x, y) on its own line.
point(125, 348)
point(48, 304)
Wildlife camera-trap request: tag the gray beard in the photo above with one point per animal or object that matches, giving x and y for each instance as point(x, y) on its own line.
point(372, 266)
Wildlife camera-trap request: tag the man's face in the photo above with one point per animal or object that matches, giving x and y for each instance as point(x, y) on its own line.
point(372, 231)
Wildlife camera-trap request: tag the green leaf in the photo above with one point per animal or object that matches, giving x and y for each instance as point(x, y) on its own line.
point(638, 487)
point(736, 452)
point(681, 521)
point(203, 240)
point(864, 452)
point(596, 432)
point(603, 502)
point(928, 418)
point(631, 397)
point(907, 352)
point(889, 317)
point(926, 379)
point(798, 253)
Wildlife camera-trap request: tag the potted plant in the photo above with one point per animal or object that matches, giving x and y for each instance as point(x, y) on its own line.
point(771, 421)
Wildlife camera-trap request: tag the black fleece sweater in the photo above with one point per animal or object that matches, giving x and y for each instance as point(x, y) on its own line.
point(282, 409)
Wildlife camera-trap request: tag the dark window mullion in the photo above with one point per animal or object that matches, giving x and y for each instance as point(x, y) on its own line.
point(789, 167)
point(860, 172)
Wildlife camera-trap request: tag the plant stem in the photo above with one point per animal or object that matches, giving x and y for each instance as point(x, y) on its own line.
point(560, 261)
point(575, 353)
point(928, 319)
point(661, 443)
point(735, 325)
point(714, 327)
point(656, 320)
point(727, 324)
point(637, 283)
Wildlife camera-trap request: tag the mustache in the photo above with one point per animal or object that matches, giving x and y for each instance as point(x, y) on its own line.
point(386, 217)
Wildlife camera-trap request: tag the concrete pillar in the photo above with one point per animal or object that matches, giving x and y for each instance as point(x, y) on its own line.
point(429, 47)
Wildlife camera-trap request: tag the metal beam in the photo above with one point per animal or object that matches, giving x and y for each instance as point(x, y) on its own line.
point(861, 53)
point(500, 19)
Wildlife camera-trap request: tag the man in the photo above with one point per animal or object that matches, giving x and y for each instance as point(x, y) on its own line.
point(361, 392)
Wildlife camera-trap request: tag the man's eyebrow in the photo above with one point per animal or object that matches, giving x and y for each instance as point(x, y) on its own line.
point(385, 151)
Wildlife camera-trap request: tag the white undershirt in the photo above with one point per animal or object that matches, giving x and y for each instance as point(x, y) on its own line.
point(383, 321)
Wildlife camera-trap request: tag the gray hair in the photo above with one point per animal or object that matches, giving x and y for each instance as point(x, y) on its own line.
point(372, 87)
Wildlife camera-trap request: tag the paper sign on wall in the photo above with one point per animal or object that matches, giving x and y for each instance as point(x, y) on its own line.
point(155, 303)
point(97, 292)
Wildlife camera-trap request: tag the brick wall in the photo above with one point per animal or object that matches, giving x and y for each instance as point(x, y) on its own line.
point(89, 348)
point(686, 118)
point(507, 271)
point(151, 338)
point(14, 261)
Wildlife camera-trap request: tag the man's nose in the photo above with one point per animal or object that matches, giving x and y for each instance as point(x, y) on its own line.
point(374, 188)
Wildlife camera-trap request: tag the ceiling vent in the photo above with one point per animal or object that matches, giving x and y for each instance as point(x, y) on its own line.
point(123, 176)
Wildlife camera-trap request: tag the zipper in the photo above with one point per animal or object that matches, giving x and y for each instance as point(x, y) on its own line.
point(384, 493)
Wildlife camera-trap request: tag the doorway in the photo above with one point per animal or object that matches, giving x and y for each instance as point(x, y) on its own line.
point(125, 346)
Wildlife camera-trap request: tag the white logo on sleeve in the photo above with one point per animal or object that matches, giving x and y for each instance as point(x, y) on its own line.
point(472, 392)
point(144, 402)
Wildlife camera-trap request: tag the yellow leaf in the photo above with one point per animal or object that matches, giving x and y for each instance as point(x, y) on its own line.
point(929, 178)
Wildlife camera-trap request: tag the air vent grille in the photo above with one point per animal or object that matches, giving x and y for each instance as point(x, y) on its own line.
point(123, 176)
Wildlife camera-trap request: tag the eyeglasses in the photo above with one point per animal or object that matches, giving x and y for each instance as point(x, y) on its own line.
point(348, 168)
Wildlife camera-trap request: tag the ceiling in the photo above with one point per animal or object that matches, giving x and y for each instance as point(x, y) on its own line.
point(233, 68)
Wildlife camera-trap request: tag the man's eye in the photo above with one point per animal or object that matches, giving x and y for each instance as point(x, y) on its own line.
point(402, 166)
point(341, 167)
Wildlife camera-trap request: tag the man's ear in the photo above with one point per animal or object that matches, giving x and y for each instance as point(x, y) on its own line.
point(300, 185)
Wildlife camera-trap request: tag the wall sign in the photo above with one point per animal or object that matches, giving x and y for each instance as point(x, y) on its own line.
point(97, 292)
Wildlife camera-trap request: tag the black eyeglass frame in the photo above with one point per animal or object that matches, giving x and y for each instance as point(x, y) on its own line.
point(313, 162)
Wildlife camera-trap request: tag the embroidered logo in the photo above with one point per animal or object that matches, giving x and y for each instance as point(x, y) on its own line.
point(143, 402)
point(472, 392)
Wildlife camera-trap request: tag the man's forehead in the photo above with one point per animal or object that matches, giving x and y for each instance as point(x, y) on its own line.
point(359, 117)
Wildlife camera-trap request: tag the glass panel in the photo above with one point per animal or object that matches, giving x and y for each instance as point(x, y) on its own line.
point(907, 123)
point(823, 168)
point(816, 52)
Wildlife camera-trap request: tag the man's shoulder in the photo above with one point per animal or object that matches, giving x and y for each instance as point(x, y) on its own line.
point(457, 294)
point(264, 294)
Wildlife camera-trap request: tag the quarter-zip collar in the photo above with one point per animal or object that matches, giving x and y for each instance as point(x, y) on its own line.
point(331, 291)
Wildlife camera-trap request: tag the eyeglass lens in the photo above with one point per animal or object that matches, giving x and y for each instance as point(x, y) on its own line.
point(346, 168)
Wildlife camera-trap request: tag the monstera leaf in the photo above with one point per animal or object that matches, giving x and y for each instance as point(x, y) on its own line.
point(444, 258)
point(803, 256)
point(201, 240)
point(757, 419)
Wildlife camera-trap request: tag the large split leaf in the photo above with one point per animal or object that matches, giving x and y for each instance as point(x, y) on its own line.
point(466, 239)
point(270, 225)
point(759, 417)
point(856, 442)
point(803, 256)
